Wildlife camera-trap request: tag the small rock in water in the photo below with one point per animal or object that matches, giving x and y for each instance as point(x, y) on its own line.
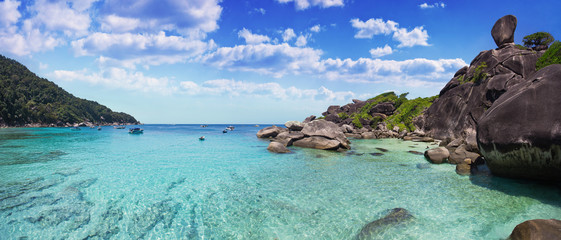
point(423, 165)
point(376, 154)
point(397, 216)
point(416, 152)
point(382, 149)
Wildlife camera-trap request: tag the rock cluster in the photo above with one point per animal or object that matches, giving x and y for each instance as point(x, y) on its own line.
point(319, 134)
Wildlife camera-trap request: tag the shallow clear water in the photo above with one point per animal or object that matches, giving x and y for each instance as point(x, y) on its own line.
point(166, 184)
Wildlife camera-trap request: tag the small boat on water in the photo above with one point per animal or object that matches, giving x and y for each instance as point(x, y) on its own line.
point(75, 129)
point(230, 128)
point(204, 126)
point(119, 127)
point(202, 138)
point(225, 131)
point(99, 128)
point(136, 130)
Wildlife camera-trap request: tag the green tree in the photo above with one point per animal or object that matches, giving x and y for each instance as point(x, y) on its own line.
point(538, 40)
point(551, 56)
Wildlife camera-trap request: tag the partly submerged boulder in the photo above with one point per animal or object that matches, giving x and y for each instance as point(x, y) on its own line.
point(537, 229)
point(437, 155)
point(396, 217)
point(520, 135)
point(270, 132)
point(318, 142)
point(277, 147)
point(329, 130)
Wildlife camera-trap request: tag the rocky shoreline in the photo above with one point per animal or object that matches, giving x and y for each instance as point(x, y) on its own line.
point(499, 111)
point(82, 124)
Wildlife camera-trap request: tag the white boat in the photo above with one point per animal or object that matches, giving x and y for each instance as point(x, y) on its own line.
point(136, 130)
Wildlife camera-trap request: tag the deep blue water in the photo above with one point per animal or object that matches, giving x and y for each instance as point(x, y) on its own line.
point(166, 184)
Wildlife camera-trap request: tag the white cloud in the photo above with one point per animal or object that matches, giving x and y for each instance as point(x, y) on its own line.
point(251, 38)
point(381, 51)
point(27, 40)
point(304, 4)
point(288, 34)
point(315, 28)
point(373, 27)
point(276, 60)
point(114, 23)
point(149, 49)
point(417, 36)
point(49, 15)
point(192, 18)
point(262, 11)
point(227, 87)
point(301, 41)
point(434, 5)
point(118, 78)
point(10, 13)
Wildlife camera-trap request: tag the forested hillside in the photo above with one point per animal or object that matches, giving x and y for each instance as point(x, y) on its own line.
point(26, 99)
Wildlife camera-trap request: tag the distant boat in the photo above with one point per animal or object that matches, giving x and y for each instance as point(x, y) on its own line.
point(99, 128)
point(204, 126)
point(256, 125)
point(136, 130)
point(75, 129)
point(119, 127)
point(202, 138)
point(230, 128)
point(225, 131)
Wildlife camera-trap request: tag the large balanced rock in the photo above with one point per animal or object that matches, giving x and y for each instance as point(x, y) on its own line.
point(503, 30)
point(329, 130)
point(520, 135)
point(277, 147)
point(437, 155)
point(270, 132)
point(537, 229)
point(396, 217)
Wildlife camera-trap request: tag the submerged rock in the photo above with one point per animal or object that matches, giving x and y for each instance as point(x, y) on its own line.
point(397, 216)
point(277, 147)
point(537, 229)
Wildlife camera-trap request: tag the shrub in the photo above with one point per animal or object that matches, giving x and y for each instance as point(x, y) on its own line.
point(409, 110)
point(551, 56)
point(538, 39)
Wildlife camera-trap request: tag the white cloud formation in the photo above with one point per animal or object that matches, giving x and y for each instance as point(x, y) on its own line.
point(10, 13)
point(152, 49)
point(301, 41)
point(288, 34)
point(114, 23)
point(277, 60)
point(49, 15)
point(304, 4)
point(373, 27)
point(381, 51)
point(234, 88)
point(417, 36)
point(434, 5)
point(262, 11)
point(193, 19)
point(282, 59)
point(118, 78)
point(315, 28)
point(27, 40)
point(251, 38)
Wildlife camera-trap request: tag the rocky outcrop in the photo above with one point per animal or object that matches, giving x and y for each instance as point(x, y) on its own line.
point(319, 134)
point(277, 147)
point(537, 229)
point(455, 115)
point(520, 135)
point(294, 125)
point(503, 30)
point(397, 216)
point(270, 132)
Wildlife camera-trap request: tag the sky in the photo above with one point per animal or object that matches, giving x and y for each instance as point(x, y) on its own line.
point(253, 61)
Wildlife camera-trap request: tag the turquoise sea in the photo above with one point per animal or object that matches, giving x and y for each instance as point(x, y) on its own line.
point(166, 184)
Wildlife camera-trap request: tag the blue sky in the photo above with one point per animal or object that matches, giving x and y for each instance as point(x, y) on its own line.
point(255, 61)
